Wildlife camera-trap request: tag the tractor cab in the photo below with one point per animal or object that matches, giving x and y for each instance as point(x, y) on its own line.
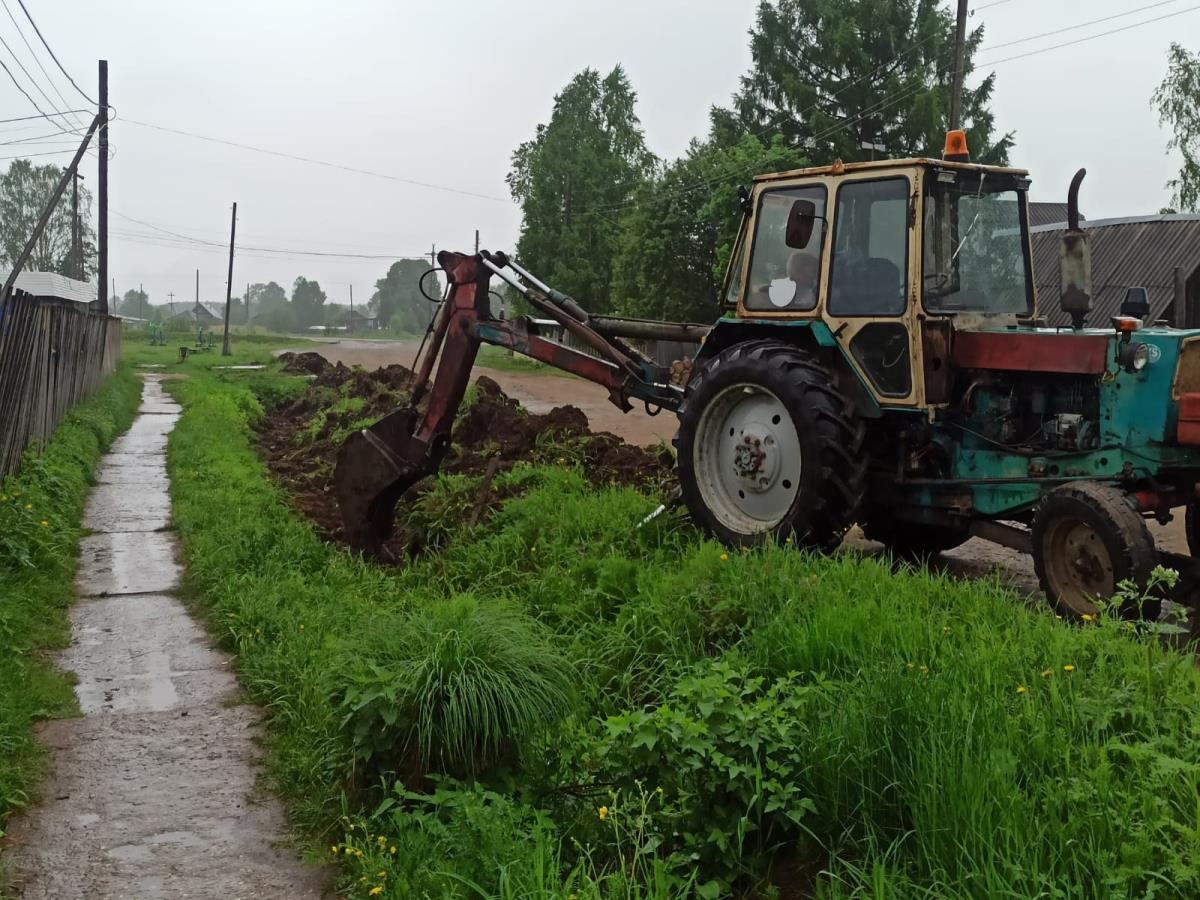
point(883, 259)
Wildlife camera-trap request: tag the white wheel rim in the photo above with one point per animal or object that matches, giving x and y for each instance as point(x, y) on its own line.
point(747, 459)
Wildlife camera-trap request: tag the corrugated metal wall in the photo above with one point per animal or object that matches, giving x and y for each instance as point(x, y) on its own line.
point(1136, 252)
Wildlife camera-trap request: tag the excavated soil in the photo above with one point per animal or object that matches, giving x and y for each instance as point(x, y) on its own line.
point(300, 442)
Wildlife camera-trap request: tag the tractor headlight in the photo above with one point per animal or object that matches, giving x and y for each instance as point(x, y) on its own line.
point(1133, 356)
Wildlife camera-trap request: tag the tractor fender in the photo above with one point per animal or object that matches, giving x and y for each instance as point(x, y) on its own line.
point(808, 334)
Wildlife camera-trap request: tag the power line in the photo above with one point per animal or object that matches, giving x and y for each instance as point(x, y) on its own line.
point(36, 59)
point(1076, 27)
point(38, 31)
point(32, 80)
point(316, 162)
point(42, 116)
point(1090, 37)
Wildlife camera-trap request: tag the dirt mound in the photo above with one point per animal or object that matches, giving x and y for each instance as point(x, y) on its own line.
point(300, 441)
point(303, 363)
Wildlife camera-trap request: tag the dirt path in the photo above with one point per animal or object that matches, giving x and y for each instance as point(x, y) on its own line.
point(536, 392)
point(153, 791)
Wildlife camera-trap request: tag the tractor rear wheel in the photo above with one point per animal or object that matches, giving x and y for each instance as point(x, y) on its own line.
point(1191, 526)
point(1087, 539)
point(767, 445)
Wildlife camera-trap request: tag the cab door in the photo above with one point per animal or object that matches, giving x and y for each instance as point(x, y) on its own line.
point(871, 287)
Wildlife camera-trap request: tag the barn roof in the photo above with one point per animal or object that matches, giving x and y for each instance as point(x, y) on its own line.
point(1136, 251)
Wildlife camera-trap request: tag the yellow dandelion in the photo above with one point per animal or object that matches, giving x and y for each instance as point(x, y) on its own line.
point(945, 629)
point(45, 523)
point(924, 670)
point(358, 853)
point(392, 850)
point(1068, 668)
point(1021, 689)
point(724, 557)
point(603, 813)
point(910, 666)
point(1047, 673)
point(29, 506)
point(375, 891)
point(562, 460)
point(381, 874)
point(381, 840)
point(301, 626)
point(1088, 617)
point(333, 850)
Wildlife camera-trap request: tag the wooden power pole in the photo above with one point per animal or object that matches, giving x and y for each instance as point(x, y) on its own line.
point(960, 52)
point(102, 190)
point(225, 351)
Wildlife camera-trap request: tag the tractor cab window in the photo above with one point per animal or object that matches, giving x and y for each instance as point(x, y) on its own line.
point(870, 249)
point(975, 255)
point(785, 262)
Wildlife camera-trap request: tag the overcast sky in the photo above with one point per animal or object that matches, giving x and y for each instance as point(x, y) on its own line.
point(441, 93)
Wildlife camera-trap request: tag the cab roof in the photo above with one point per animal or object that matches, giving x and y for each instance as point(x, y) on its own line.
point(840, 168)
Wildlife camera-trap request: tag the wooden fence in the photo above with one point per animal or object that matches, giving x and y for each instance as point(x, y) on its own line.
point(53, 353)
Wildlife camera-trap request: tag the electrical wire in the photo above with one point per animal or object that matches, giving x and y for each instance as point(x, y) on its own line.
point(36, 59)
point(34, 82)
point(38, 31)
point(41, 116)
point(315, 162)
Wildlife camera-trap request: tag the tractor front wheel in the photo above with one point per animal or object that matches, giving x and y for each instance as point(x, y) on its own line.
point(767, 445)
point(1087, 539)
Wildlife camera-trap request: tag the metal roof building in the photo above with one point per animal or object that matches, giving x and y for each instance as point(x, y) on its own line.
point(51, 285)
point(1138, 251)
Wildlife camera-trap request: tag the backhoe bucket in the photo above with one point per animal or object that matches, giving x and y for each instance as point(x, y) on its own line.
point(371, 477)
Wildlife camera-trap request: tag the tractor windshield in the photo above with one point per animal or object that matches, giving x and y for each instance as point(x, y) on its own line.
point(975, 247)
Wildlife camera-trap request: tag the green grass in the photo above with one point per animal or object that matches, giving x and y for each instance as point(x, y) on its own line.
point(677, 719)
point(492, 357)
point(40, 512)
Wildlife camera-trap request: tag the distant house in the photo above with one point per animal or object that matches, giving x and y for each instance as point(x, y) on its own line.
point(194, 313)
point(1159, 253)
point(357, 321)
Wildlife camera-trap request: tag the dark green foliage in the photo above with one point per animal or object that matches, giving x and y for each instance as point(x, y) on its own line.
point(676, 240)
point(269, 307)
point(308, 301)
point(1177, 99)
point(572, 178)
point(25, 191)
point(40, 510)
point(833, 75)
point(456, 687)
point(398, 301)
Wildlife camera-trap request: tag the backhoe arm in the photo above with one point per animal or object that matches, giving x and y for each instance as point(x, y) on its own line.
point(377, 465)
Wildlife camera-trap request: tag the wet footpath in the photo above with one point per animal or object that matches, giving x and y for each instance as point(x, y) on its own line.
point(152, 793)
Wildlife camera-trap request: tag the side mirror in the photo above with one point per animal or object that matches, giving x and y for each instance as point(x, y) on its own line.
point(800, 223)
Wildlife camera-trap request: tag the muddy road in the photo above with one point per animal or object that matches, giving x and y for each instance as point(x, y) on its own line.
point(539, 393)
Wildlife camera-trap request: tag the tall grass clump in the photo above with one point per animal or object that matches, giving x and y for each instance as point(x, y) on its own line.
point(458, 687)
point(40, 512)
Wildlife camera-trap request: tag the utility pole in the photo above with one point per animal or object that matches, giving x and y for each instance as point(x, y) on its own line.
point(476, 241)
point(247, 303)
point(225, 351)
point(76, 249)
point(102, 190)
point(433, 255)
point(960, 52)
point(141, 299)
point(196, 308)
point(350, 321)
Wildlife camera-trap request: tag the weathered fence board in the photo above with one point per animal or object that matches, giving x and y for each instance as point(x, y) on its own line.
point(53, 353)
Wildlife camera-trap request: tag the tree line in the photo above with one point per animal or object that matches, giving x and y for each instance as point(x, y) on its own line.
point(396, 304)
point(623, 231)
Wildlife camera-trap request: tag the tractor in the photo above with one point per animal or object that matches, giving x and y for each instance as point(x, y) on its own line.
point(880, 360)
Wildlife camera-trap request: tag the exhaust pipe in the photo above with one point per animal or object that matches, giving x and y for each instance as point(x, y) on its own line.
point(1075, 261)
